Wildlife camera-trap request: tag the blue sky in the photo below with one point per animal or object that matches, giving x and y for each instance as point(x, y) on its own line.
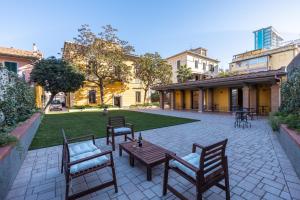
point(166, 26)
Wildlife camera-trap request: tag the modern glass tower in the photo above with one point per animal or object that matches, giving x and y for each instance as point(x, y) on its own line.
point(266, 38)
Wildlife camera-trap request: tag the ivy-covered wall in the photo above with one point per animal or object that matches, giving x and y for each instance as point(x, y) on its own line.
point(17, 102)
point(4, 82)
point(290, 93)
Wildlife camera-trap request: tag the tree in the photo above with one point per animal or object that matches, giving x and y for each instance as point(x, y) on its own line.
point(56, 75)
point(152, 69)
point(184, 73)
point(102, 57)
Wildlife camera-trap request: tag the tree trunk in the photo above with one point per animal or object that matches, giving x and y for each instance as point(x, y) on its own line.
point(101, 85)
point(49, 101)
point(145, 94)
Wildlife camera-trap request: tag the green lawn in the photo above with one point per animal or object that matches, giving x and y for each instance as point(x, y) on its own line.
point(80, 123)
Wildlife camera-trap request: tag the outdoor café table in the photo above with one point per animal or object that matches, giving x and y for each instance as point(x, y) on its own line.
point(149, 154)
point(241, 117)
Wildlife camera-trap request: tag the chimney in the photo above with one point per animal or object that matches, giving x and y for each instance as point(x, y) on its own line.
point(34, 47)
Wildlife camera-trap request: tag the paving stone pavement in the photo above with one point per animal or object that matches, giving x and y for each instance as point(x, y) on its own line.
point(258, 166)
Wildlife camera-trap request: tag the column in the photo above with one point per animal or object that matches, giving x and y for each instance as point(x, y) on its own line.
point(209, 99)
point(253, 97)
point(183, 100)
point(246, 95)
point(200, 100)
point(229, 109)
point(275, 97)
point(172, 100)
point(161, 100)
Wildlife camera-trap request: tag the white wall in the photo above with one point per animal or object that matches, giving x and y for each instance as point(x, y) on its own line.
point(189, 60)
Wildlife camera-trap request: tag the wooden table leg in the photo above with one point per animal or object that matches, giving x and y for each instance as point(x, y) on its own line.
point(120, 150)
point(131, 160)
point(149, 173)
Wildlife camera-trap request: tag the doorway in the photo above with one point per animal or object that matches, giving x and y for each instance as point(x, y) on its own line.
point(236, 98)
point(117, 102)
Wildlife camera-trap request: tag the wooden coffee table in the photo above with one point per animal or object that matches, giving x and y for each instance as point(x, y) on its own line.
point(149, 154)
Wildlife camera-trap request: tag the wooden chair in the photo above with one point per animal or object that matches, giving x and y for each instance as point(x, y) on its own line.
point(116, 126)
point(82, 158)
point(203, 170)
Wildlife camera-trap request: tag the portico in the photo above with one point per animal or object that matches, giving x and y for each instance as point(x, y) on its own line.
point(259, 91)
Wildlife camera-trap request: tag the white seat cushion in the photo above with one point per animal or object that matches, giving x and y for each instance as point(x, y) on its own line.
point(82, 147)
point(193, 159)
point(122, 130)
point(87, 164)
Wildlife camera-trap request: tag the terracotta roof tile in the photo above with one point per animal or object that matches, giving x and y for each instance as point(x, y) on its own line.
point(20, 53)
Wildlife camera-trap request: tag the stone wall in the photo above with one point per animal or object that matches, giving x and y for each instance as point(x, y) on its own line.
point(12, 157)
point(290, 142)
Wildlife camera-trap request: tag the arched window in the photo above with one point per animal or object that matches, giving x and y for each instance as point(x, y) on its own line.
point(92, 96)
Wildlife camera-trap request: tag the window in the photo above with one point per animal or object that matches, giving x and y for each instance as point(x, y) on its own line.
point(92, 96)
point(211, 68)
point(138, 96)
point(204, 66)
point(196, 64)
point(11, 66)
point(178, 64)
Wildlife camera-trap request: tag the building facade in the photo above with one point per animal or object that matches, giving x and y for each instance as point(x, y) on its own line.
point(266, 38)
point(255, 85)
point(21, 62)
point(259, 91)
point(116, 94)
point(264, 59)
point(197, 60)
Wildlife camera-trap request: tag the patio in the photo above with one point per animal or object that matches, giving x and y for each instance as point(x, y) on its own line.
point(258, 166)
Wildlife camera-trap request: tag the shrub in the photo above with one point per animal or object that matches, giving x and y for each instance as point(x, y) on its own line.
point(274, 121)
point(106, 106)
point(292, 120)
point(96, 106)
point(144, 105)
point(17, 105)
point(155, 97)
point(6, 138)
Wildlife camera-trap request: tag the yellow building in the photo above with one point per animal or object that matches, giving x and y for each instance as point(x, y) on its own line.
point(255, 86)
point(264, 59)
point(117, 94)
point(259, 91)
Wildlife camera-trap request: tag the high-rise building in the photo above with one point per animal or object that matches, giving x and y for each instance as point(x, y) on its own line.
point(266, 38)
